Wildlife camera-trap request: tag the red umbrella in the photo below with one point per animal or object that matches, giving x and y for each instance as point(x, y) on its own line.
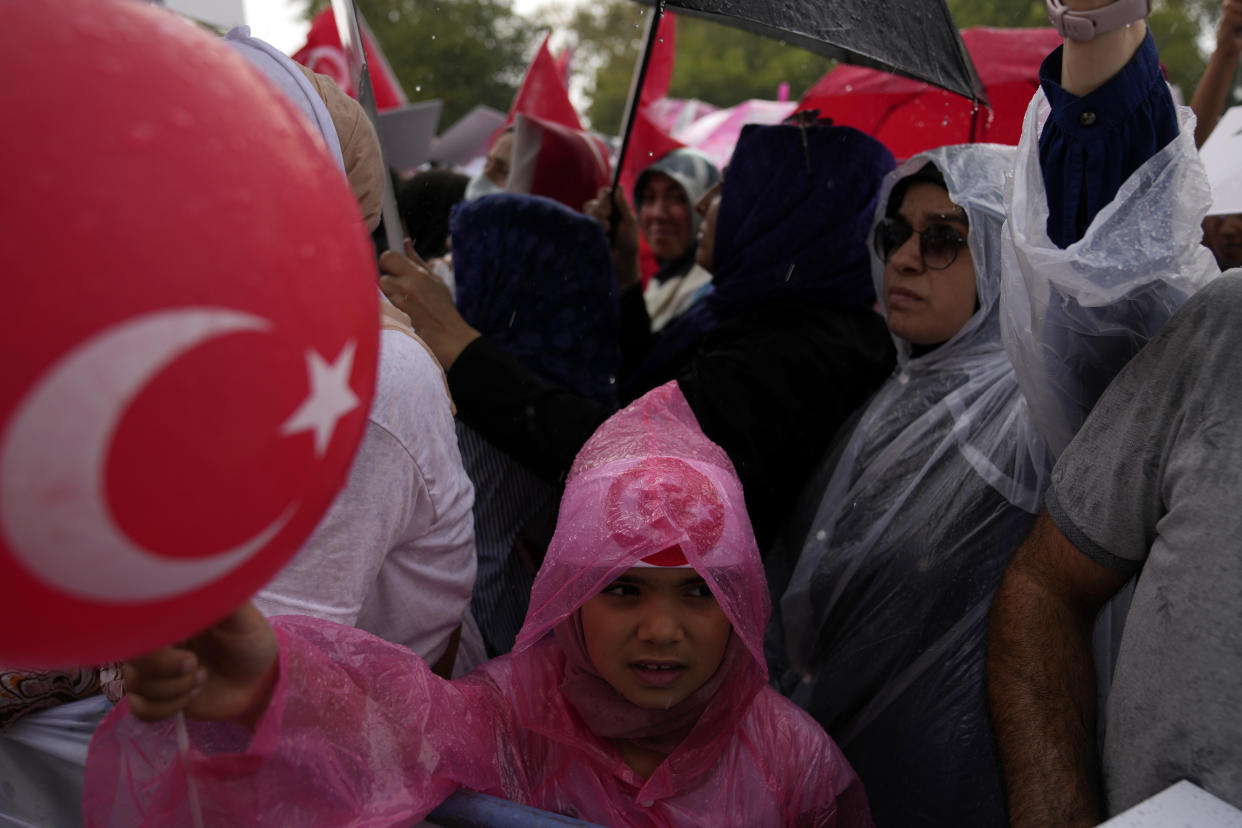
point(909, 116)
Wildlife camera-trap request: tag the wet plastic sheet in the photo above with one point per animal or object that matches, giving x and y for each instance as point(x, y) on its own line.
point(1100, 299)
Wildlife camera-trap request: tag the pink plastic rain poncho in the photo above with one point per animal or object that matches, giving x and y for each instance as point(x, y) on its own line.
point(360, 732)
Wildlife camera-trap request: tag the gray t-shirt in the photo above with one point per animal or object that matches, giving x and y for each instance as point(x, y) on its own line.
point(1153, 482)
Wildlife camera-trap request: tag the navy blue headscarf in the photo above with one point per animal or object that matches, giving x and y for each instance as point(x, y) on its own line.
point(795, 213)
point(536, 278)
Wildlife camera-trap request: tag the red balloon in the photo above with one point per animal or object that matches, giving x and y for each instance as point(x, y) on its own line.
point(189, 333)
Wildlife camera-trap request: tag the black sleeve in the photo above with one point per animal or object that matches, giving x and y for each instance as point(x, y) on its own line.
point(773, 390)
point(539, 424)
point(635, 330)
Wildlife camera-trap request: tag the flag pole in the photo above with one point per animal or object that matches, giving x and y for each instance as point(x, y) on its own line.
point(346, 14)
point(636, 91)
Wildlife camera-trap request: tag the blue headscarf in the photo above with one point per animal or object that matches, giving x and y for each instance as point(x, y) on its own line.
point(795, 215)
point(536, 278)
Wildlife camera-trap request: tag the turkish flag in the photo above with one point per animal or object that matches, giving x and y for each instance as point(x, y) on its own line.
point(323, 54)
point(554, 161)
point(544, 93)
point(648, 144)
point(660, 65)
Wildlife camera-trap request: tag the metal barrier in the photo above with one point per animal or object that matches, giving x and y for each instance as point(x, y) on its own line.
point(467, 809)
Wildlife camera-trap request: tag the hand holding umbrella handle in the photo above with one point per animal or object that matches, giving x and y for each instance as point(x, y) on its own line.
point(622, 234)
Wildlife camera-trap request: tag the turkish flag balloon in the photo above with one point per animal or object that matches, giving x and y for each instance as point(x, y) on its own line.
point(189, 331)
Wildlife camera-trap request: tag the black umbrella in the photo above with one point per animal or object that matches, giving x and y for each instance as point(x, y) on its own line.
point(914, 38)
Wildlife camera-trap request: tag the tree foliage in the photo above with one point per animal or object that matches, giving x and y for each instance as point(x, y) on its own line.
point(718, 64)
point(464, 52)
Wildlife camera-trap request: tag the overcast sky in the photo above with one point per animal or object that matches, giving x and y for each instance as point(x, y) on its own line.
point(279, 21)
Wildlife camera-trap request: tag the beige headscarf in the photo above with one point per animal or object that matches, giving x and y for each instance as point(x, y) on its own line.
point(360, 148)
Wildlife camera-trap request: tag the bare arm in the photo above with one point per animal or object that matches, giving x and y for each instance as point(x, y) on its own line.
point(1086, 65)
point(1041, 682)
point(1213, 88)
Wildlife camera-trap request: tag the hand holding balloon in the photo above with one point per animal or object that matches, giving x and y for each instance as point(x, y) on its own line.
point(417, 291)
point(226, 672)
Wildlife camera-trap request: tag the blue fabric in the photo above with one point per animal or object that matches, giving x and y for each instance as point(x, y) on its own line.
point(536, 278)
point(795, 214)
point(1131, 118)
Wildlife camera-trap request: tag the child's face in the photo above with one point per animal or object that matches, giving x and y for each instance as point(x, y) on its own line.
point(656, 634)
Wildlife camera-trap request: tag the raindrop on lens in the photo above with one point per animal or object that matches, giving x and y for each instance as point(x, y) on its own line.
point(140, 134)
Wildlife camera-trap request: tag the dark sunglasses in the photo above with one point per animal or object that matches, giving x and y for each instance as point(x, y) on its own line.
point(938, 243)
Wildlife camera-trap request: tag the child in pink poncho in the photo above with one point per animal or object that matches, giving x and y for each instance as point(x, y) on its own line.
point(636, 693)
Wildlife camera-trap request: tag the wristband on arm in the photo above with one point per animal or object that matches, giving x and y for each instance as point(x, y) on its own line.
point(1086, 25)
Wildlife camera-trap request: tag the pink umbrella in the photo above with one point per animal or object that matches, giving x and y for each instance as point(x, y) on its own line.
point(716, 134)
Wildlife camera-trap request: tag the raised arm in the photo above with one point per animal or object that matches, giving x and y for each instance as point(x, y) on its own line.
point(1041, 682)
point(1110, 112)
point(1213, 89)
point(1104, 224)
point(1087, 64)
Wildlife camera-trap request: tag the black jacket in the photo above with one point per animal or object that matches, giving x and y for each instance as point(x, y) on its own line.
point(770, 386)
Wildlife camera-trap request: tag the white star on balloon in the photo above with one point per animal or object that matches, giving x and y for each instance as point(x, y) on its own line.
point(330, 397)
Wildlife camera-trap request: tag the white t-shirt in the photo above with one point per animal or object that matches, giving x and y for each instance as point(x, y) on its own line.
point(395, 553)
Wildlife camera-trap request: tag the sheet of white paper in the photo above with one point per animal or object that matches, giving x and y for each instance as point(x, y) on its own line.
point(407, 132)
point(1183, 805)
point(467, 139)
point(1222, 156)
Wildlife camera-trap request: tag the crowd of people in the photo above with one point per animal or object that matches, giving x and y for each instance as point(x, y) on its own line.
point(900, 494)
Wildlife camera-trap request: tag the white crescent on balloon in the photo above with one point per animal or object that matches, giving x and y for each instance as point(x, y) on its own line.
point(53, 505)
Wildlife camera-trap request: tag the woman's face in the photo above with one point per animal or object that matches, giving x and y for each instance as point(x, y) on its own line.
point(498, 157)
point(927, 306)
point(656, 634)
point(664, 216)
point(708, 207)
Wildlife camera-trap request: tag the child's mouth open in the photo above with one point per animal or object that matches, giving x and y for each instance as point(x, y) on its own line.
point(657, 673)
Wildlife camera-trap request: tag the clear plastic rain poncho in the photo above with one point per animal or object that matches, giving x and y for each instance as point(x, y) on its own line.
point(360, 732)
point(902, 535)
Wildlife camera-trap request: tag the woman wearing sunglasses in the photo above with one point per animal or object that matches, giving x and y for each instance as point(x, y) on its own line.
point(903, 532)
point(885, 608)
